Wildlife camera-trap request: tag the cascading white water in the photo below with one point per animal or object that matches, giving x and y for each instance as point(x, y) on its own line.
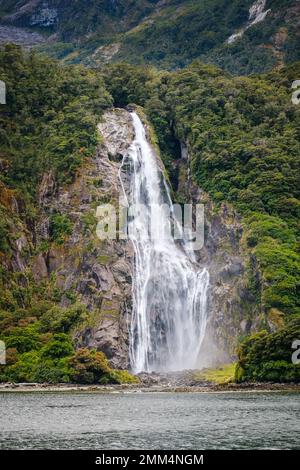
point(169, 291)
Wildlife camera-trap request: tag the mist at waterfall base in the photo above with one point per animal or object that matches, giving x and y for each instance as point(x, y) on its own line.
point(169, 316)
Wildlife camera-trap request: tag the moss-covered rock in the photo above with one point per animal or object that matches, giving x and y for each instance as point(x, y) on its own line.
point(219, 375)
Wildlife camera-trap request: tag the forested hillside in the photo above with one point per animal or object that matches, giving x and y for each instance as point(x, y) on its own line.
point(76, 19)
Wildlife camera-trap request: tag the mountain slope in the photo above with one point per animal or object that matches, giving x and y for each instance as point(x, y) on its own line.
point(240, 36)
point(239, 138)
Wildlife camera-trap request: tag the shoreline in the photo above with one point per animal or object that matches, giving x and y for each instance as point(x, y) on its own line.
point(142, 388)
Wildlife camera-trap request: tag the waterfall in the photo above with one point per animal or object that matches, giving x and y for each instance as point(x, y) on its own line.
point(169, 290)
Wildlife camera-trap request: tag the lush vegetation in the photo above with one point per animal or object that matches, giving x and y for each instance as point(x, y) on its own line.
point(184, 31)
point(168, 35)
point(245, 149)
point(48, 126)
point(40, 349)
point(243, 137)
point(178, 32)
point(49, 122)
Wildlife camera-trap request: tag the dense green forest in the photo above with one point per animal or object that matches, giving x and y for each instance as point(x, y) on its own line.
point(244, 145)
point(243, 136)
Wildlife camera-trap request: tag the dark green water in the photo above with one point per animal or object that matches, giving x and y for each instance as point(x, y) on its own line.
point(149, 421)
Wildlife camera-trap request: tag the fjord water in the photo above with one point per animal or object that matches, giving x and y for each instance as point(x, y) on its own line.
point(149, 421)
point(169, 289)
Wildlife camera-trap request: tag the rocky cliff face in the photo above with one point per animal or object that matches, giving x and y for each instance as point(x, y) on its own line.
point(233, 310)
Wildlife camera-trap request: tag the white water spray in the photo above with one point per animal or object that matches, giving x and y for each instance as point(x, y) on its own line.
point(169, 291)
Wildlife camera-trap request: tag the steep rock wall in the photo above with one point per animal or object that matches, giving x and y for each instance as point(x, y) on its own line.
point(98, 273)
point(233, 308)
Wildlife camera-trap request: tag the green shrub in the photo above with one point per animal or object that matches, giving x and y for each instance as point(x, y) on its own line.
point(22, 370)
point(23, 339)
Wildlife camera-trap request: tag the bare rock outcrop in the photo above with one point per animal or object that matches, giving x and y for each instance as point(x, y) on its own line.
point(96, 272)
